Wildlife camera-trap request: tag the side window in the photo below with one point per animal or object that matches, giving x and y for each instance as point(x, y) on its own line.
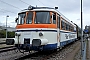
point(63, 25)
point(72, 28)
point(67, 26)
point(54, 18)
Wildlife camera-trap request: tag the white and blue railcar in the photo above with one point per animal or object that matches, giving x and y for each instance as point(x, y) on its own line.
point(42, 28)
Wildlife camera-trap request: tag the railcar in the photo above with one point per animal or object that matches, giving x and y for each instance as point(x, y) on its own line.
point(42, 29)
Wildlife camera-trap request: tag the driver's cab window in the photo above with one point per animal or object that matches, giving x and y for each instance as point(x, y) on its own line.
point(54, 18)
point(29, 18)
point(21, 17)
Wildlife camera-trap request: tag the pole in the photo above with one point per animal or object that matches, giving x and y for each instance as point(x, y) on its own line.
point(6, 25)
point(81, 32)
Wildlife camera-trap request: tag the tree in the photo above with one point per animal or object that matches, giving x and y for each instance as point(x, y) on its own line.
point(9, 34)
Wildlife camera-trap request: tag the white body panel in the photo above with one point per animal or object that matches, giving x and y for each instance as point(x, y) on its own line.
point(49, 35)
point(65, 36)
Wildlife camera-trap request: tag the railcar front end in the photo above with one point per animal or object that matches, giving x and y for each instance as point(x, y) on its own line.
point(36, 30)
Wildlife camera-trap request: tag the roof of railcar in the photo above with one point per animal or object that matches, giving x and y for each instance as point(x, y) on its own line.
point(48, 9)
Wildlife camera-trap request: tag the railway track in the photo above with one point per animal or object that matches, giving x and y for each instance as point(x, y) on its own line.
point(5, 49)
point(59, 55)
point(35, 55)
point(2, 42)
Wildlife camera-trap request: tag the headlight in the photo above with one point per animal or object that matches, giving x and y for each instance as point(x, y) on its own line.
point(40, 34)
point(17, 34)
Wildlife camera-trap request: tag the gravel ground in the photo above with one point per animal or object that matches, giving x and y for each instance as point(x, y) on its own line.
point(4, 45)
point(78, 55)
point(11, 55)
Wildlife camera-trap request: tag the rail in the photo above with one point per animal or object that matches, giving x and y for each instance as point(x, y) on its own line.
point(2, 42)
point(5, 49)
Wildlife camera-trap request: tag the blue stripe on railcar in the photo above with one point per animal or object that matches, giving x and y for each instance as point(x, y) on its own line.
point(45, 47)
point(66, 42)
point(44, 30)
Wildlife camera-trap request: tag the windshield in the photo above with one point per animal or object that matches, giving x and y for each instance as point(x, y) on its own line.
point(21, 17)
point(29, 18)
point(42, 18)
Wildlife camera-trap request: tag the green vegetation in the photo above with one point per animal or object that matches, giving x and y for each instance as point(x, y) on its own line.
point(9, 34)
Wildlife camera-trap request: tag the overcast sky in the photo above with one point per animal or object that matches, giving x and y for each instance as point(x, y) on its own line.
point(69, 8)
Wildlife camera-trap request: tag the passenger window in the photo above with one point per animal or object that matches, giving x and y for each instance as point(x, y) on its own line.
point(67, 27)
point(63, 25)
point(72, 29)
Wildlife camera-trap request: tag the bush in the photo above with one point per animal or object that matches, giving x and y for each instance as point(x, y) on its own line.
point(9, 34)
